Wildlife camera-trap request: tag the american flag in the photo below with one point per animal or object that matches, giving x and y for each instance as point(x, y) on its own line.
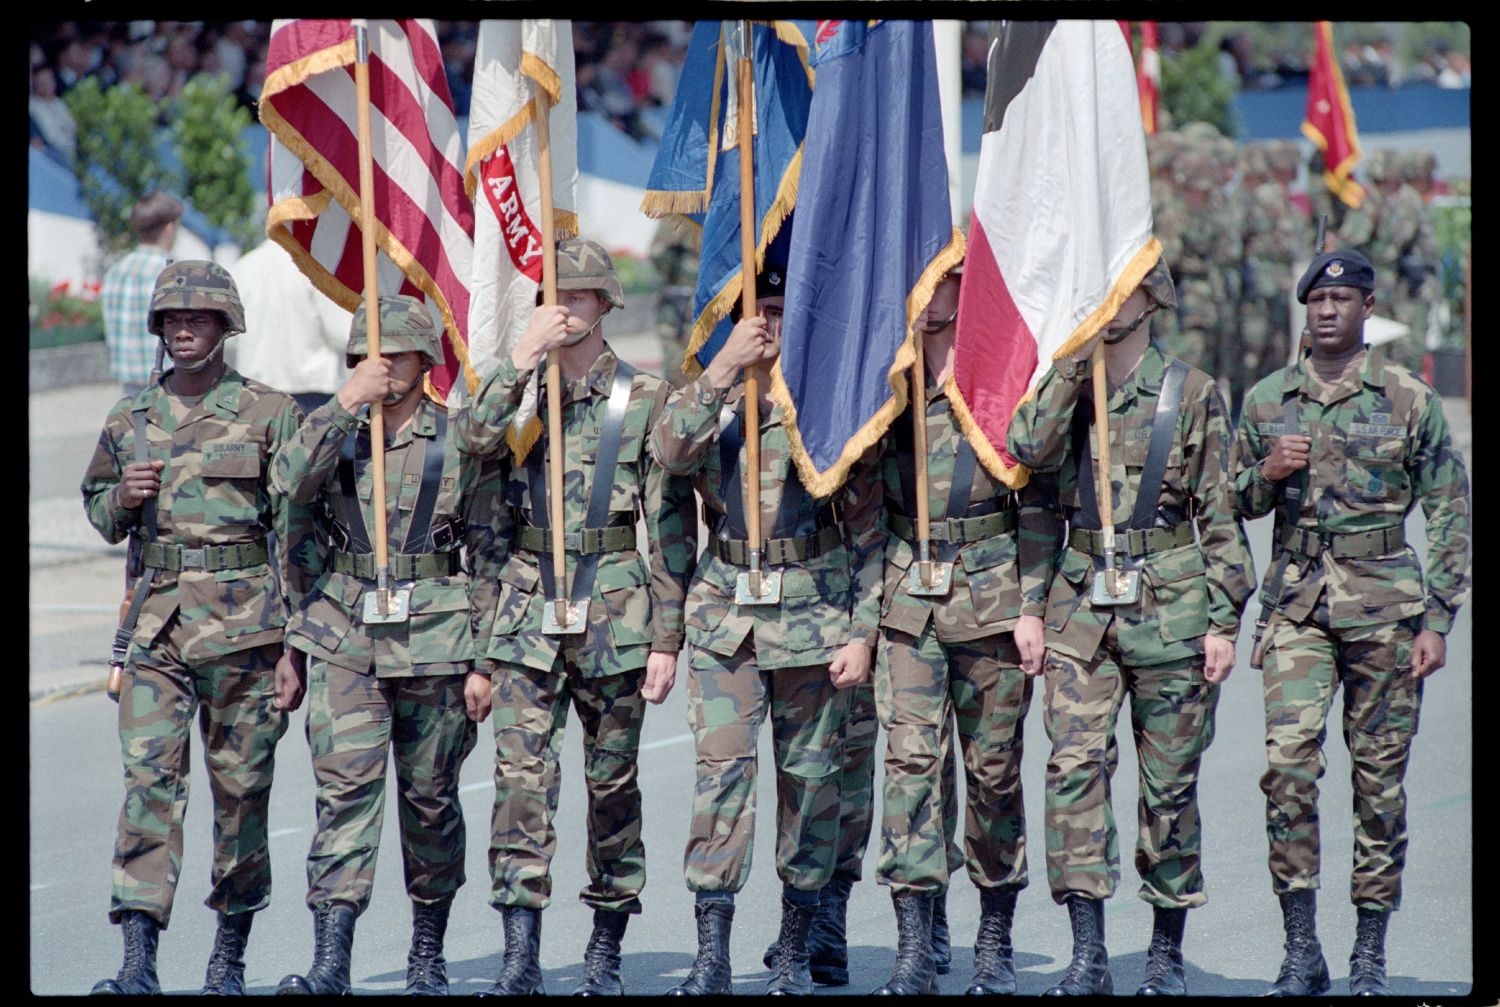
point(424, 221)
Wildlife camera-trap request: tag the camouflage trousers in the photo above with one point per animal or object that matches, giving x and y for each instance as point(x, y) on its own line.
point(1305, 663)
point(530, 713)
point(728, 699)
point(1172, 715)
point(240, 727)
point(857, 783)
point(918, 681)
point(352, 719)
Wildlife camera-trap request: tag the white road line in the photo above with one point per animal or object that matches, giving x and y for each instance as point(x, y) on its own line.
point(282, 832)
point(676, 739)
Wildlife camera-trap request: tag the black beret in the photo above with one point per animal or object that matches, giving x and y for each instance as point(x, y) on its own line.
point(771, 282)
point(1342, 268)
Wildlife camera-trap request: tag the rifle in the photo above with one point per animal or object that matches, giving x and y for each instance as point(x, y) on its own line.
point(1291, 497)
point(135, 560)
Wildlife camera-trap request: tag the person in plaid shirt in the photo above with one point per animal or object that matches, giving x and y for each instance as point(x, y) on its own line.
point(126, 292)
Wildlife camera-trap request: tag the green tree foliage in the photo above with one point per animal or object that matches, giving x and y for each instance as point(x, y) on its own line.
point(117, 160)
point(208, 128)
point(1193, 89)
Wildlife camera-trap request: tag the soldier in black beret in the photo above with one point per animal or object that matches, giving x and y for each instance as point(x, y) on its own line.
point(1343, 267)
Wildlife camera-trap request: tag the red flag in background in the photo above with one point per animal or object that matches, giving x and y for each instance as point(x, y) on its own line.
point(1148, 77)
point(424, 222)
point(1329, 122)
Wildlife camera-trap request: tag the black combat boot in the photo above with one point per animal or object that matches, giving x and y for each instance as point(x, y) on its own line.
point(793, 975)
point(1304, 972)
point(994, 972)
point(942, 940)
point(601, 959)
point(827, 941)
point(710, 975)
point(426, 969)
point(225, 975)
point(521, 968)
point(1165, 976)
point(138, 973)
point(1088, 972)
point(915, 973)
point(1367, 963)
point(333, 938)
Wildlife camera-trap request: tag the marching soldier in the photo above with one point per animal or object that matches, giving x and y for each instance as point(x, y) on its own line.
point(790, 656)
point(628, 614)
point(1160, 626)
point(956, 643)
point(1343, 445)
point(402, 679)
point(183, 469)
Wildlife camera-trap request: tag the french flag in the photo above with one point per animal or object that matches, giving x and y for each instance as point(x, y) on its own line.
point(1061, 231)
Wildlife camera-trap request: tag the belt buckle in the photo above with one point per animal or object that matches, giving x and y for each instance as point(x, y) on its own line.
point(571, 540)
point(938, 584)
point(575, 617)
point(190, 559)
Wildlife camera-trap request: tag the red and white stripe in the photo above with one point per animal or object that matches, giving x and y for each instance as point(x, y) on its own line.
point(1061, 231)
point(1148, 78)
point(424, 221)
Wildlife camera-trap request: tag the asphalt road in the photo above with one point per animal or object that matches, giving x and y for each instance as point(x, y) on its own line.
point(1233, 944)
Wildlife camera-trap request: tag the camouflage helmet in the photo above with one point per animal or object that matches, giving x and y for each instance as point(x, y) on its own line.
point(405, 325)
point(1254, 159)
point(1381, 165)
point(1418, 164)
point(1201, 134)
point(196, 284)
point(1283, 155)
point(1158, 285)
point(585, 265)
point(1195, 170)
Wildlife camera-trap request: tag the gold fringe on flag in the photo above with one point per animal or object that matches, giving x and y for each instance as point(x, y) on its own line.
point(1016, 476)
point(522, 441)
point(822, 484)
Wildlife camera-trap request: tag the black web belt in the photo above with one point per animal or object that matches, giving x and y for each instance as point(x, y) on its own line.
point(595, 519)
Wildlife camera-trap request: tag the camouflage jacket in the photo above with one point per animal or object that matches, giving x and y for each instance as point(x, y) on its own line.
point(215, 491)
point(1188, 590)
point(1276, 236)
point(1380, 444)
point(635, 608)
point(996, 580)
point(445, 611)
point(827, 601)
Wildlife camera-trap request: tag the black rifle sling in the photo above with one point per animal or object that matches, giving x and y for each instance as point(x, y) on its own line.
point(1163, 432)
point(1286, 517)
point(419, 531)
point(147, 575)
point(346, 510)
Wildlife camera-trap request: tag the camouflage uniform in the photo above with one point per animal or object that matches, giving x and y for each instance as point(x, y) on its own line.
point(634, 609)
point(1152, 649)
point(1380, 445)
point(674, 255)
point(754, 661)
point(210, 629)
point(1206, 297)
point(1276, 236)
point(1402, 247)
point(1169, 217)
point(954, 651)
point(374, 687)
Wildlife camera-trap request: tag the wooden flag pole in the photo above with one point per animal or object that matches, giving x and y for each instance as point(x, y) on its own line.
point(918, 399)
point(554, 361)
point(743, 126)
point(372, 307)
point(1103, 483)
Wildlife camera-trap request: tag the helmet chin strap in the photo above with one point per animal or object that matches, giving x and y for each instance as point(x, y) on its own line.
point(1126, 332)
point(195, 367)
point(575, 340)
